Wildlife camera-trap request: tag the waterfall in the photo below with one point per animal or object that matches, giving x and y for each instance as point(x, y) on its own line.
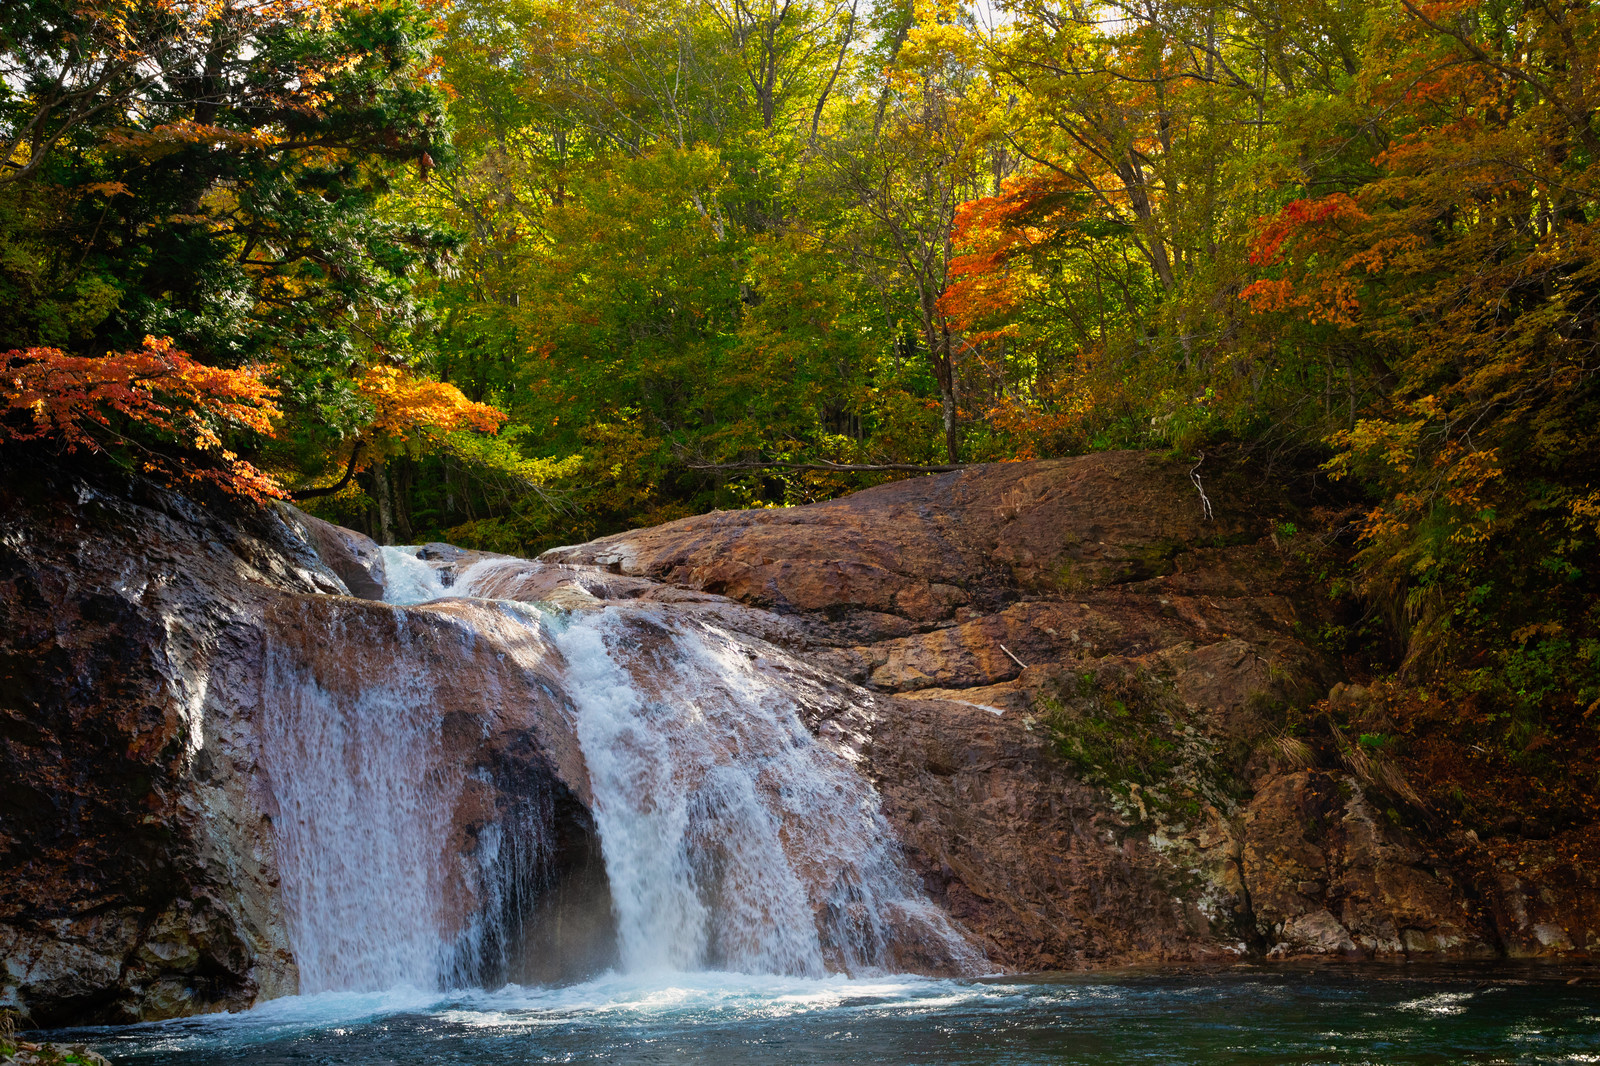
point(732, 838)
point(364, 799)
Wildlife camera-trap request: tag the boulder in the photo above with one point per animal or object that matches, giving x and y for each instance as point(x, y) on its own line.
point(1329, 874)
point(138, 629)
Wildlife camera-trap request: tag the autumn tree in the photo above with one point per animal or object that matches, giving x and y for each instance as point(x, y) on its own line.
point(213, 174)
point(170, 412)
point(1150, 136)
point(1470, 263)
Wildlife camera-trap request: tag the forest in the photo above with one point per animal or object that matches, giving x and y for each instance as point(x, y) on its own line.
point(520, 273)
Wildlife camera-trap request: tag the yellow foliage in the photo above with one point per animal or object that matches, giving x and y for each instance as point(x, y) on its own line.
point(404, 405)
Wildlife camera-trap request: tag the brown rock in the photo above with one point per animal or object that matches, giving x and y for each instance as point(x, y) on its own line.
point(353, 557)
point(1066, 670)
point(995, 588)
point(129, 618)
point(135, 810)
point(1327, 875)
point(920, 550)
point(1016, 847)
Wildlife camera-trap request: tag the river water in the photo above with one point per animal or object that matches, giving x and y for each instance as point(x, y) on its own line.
point(1335, 1015)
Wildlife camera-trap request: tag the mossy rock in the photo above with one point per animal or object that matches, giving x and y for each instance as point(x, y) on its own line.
point(24, 1053)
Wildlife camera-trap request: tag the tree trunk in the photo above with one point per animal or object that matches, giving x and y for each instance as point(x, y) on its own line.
point(385, 502)
point(952, 443)
point(937, 333)
point(401, 484)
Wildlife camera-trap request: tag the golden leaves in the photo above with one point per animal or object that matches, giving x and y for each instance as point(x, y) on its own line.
point(405, 405)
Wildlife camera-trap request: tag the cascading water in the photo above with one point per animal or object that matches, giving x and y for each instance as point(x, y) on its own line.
point(732, 839)
point(364, 801)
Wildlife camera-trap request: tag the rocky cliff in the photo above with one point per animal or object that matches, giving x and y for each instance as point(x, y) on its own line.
point(1078, 696)
point(1089, 718)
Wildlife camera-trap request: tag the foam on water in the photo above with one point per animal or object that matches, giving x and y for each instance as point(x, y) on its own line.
point(612, 999)
point(707, 995)
point(408, 579)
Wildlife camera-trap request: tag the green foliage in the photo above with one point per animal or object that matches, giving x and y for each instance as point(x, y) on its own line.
point(1126, 731)
point(696, 251)
point(221, 185)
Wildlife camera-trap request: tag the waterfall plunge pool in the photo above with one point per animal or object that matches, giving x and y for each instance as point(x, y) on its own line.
point(1269, 1015)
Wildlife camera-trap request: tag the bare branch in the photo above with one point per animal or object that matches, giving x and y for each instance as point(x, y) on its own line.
point(851, 468)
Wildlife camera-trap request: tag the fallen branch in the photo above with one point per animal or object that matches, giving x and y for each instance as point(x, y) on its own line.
point(849, 468)
point(1205, 501)
point(1014, 659)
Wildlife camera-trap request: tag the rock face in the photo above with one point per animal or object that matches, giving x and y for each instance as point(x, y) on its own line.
point(140, 872)
point(1327, 876)
point(136, 801)
point(1010, 618)
point(1079, 682)
point(1065, 681)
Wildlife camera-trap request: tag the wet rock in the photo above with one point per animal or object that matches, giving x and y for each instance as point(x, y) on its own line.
point(136, 813)
point(1059, 675)
point(130, 826)
point(353, 557)
point(26, 1053)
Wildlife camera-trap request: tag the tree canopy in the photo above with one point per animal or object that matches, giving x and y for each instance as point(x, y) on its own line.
point(521, 272)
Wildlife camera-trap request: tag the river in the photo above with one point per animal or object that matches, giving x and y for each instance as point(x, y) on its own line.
point(1389, 1015)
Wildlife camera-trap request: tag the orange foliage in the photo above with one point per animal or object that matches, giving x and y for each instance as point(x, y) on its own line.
point(993, 277)
point(1325, 293)
point(405, 405)
point(1302, 219)
point(78, 399)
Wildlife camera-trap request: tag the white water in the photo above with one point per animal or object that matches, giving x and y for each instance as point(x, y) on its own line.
point(732, 839)
point(408, 579)
point(364, 812)
point(613, 999)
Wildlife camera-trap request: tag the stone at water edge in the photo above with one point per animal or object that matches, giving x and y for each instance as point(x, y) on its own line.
point(24, 1053)
point(963, 626)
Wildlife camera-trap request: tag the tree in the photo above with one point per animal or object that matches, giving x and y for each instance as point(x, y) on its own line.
point(213, 173)
point(154, 406)
point(904, 177)
point(1472, 260)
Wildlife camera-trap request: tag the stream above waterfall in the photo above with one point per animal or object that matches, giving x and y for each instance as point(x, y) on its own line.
point(1287, 1015)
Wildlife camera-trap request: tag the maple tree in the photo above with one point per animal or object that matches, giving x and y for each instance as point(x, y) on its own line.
point(408, 415)
point(125, 398)
point(1470, 262)
point(213, 173)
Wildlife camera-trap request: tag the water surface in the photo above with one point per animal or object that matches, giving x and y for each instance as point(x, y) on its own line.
point(1334, 1015)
